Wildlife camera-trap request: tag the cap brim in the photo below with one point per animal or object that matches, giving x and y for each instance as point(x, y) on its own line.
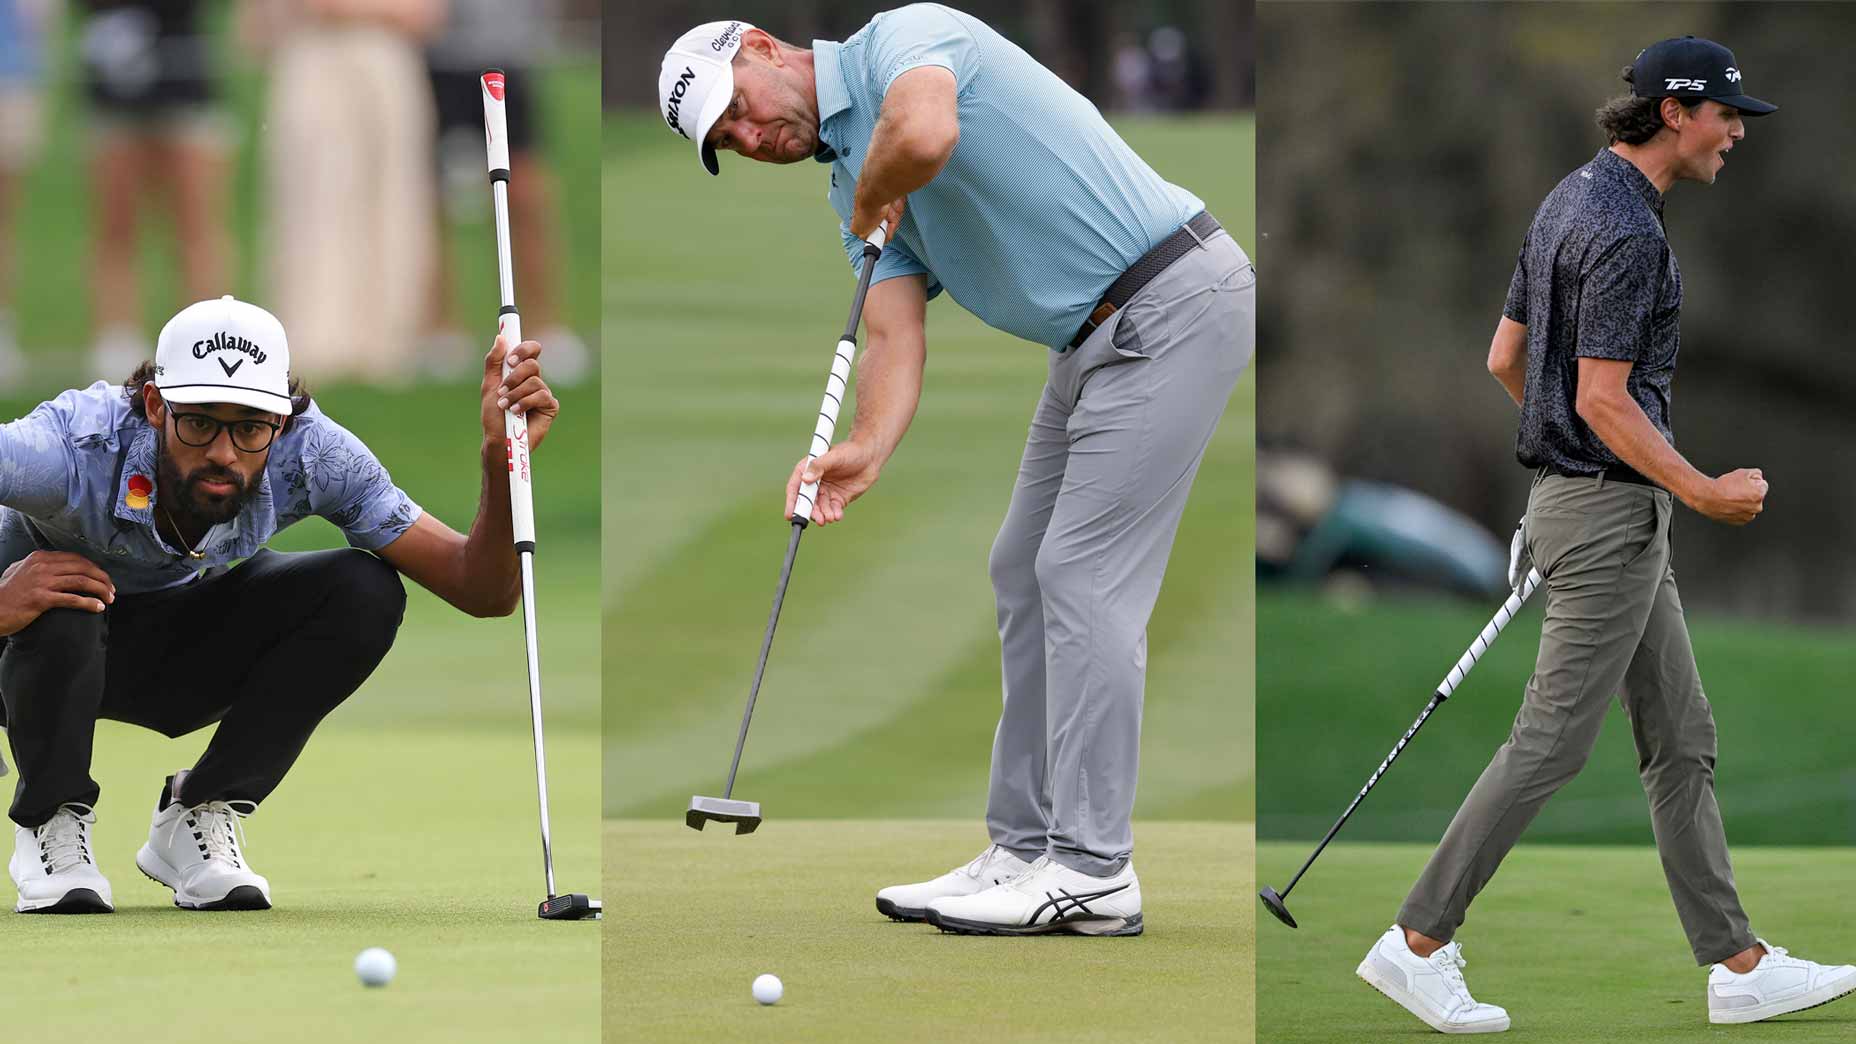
point(198, 394)
point(1749, 106)
point(713, 106)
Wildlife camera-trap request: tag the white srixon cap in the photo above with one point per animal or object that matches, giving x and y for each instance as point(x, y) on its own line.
point(224, 351)
point(697, 80)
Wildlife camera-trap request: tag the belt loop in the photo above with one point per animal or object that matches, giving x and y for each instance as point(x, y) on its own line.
point(1194, 233)
point(1601, 479)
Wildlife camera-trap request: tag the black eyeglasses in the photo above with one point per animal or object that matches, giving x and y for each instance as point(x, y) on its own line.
point(202, 429)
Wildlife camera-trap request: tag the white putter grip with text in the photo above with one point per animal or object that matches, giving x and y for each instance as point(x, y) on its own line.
point(835, 386)
point(508, 322)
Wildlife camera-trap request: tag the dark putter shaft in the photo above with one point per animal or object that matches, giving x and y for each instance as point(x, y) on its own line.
point(1275, 901)
point(697, 817)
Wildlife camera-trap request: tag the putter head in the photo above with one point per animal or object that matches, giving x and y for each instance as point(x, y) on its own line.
point(1274, 902)
point(575, 907)
point(745, 815)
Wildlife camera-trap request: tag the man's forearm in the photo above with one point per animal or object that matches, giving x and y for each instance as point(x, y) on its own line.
point(889, 387)
point(1513, 380)
point(907, 149)
point(1627, 432)
point(489, 575)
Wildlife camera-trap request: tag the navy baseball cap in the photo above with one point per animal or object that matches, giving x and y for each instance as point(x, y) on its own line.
point(1690, 67)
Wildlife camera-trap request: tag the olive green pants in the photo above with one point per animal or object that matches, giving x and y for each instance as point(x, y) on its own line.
point(1613, 624)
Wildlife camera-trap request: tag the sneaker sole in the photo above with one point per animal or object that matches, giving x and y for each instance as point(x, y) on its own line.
point(1107, 926)
point(1815, 999)
point(75, 901)
point(1367, 976)
point(900, 913)
point(243, 897)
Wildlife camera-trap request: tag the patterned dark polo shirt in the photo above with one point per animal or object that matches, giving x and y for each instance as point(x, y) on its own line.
point(1596, 279)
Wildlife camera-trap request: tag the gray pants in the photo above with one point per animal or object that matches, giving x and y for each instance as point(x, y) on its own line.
point(1115, 442)
point(1613, 625)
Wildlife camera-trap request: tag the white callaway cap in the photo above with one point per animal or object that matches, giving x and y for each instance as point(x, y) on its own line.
point(697, 81)
point(224, 351)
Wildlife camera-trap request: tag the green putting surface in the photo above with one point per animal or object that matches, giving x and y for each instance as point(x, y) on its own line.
point(796, 898)
point(409, 822)
point(1579, 942)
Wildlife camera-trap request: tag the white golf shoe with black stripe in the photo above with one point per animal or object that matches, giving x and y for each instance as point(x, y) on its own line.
point(1779, 985)
point(1047, 898)
point(909, 902)
point(196, 851)
point(53, 869)
point(1432, 988)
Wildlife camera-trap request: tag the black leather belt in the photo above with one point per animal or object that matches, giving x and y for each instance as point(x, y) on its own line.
point(1171, 249)
point(1615, 473)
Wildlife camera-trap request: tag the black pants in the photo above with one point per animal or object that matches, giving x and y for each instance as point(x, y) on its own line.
point(266, 649)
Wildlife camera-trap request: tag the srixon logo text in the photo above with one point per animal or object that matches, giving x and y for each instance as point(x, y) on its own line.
point(225, 342)
point(676, 100)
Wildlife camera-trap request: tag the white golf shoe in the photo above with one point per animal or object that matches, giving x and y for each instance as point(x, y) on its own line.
point(1046, 898)
point(1431, 988)
point(196, 852)
point(53, 869)
point(1779, 985)
point(909, 902)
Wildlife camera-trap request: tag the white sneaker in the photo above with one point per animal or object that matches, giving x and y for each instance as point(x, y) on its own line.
point(909, 902)
point(1048, 897)
point(1779, 985)
point(1431, 988)
point(52, 866)
point(195, 851)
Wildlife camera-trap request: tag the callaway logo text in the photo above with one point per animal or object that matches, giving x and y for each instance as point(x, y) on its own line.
point(676, 100)
point(720, 43)
point(225, 342)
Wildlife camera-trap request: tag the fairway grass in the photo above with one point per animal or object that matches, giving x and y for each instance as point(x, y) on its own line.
point(1579, 943)
point(796, 898)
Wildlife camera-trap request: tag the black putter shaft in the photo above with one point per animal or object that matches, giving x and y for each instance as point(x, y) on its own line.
point(821, 441)
point(1275, 900)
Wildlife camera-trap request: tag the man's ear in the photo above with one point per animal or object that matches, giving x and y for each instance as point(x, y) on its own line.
point(152, 405)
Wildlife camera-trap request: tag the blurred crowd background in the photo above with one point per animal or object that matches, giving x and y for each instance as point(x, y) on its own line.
point(1144, 56)
point(1403, 150)
point(321, 157)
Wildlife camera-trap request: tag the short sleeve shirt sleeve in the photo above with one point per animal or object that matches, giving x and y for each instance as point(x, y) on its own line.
point(338, 478)
point(896, 260)
point(1617, 298)
point(36, 465)
point(918, 35)
point(1515, 307)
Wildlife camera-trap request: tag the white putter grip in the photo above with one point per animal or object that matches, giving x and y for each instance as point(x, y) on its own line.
point(508, 321)
point(828, 409)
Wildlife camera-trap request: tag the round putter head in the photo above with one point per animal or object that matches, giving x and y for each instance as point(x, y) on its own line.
point(1274, 902)
point(574, 907)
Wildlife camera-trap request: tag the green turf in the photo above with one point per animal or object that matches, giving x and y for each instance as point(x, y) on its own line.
point(795, 899)
point(54, 220)
point(1339, 686)
point(1579, 943)
point(408, 823)
point(724, 297)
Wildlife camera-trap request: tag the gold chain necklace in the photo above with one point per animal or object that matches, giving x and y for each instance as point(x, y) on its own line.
point(191, 553)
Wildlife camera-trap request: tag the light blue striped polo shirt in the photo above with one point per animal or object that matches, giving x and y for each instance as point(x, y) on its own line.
point(1041, 206)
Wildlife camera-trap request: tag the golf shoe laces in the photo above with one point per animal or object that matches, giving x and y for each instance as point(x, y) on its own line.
point(64, 839)
point(1450, 961)
point(977, 867)
point(218, 831)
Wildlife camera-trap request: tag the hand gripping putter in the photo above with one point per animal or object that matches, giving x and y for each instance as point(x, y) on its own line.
point(574, 906)
point(1484, 640)
point(745, 815)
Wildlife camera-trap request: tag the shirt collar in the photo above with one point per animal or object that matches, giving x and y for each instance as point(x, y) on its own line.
point(1626, 172)
point(833, 96)
point(136, 493)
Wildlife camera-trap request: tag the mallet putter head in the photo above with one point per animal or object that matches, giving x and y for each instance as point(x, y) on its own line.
point(574, 907)
point(1274, 902)
point(745, 815)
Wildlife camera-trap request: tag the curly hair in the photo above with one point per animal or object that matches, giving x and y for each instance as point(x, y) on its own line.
point(1633, 120)
point(145, 373)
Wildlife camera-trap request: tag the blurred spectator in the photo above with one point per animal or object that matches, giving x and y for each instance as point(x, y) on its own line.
point(1133, 75)
point(157, 125)
point(1177, 77)
point(348, 162)
point(22, 70)
point(497, 34)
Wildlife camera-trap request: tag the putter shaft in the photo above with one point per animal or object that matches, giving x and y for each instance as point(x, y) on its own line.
point(766, 646)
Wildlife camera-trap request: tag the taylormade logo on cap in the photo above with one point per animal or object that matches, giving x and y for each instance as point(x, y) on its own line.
point(224, 351)
point(697, 81)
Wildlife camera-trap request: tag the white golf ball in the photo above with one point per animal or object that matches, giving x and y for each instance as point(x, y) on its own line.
point(767, 988)
point(375, 966)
